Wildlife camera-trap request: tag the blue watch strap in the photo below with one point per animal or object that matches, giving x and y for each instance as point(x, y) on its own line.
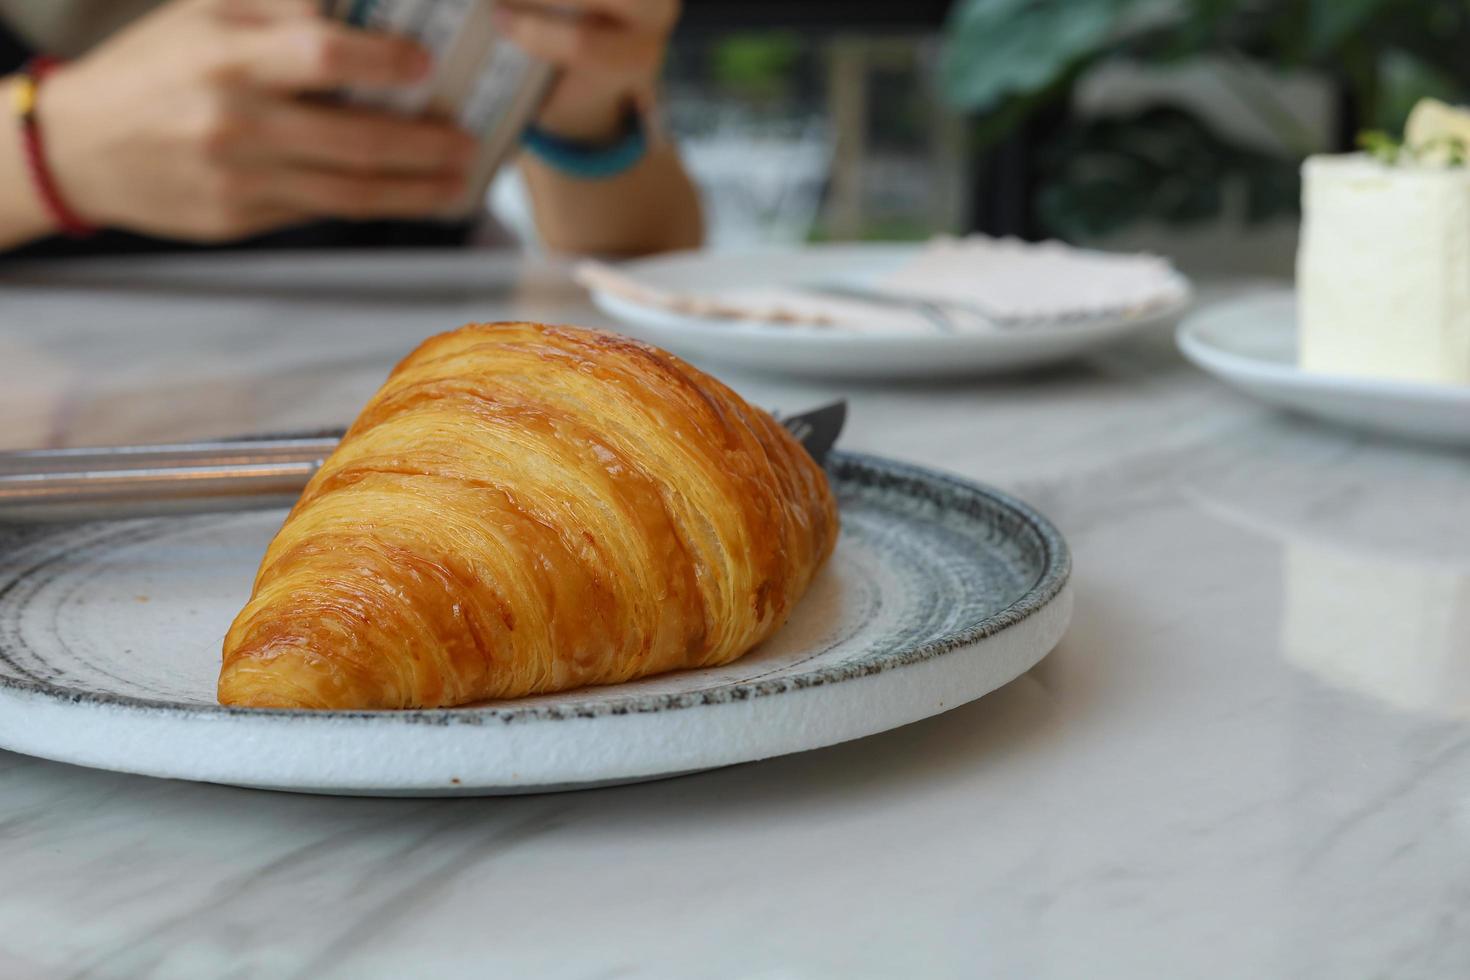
point(590, 161)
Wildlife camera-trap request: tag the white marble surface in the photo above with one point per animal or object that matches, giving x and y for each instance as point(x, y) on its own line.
point(1249, 758)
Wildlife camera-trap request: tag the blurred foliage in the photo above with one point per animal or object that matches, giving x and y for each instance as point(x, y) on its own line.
point(1006, 59)
point(1163, 163)
point(756, 67)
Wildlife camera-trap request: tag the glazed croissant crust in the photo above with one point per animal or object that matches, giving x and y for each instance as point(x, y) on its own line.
point(523, 509)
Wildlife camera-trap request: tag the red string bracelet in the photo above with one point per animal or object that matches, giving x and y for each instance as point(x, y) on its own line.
point(24, 105)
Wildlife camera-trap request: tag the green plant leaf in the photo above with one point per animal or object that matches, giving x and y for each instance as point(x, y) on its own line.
point(757, 66)
point(995, 49)
point(1404, 79)
point(1009, 58)
point(1330, 22)
point(1379, 144)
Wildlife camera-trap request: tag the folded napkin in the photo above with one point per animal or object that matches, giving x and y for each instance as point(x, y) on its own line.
point(981, 283)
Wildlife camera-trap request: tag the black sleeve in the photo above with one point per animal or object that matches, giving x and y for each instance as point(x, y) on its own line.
point(14, 52)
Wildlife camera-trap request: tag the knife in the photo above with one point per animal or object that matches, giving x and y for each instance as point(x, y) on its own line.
point(255, 473)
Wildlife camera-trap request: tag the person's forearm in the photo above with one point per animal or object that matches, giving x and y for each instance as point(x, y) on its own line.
point(608, 55)
point(23, 217)
point(650, 208)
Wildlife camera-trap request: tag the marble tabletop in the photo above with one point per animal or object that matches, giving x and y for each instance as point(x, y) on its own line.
point(1250, 757)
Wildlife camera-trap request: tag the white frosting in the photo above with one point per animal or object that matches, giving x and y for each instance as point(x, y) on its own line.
point(1383, 274)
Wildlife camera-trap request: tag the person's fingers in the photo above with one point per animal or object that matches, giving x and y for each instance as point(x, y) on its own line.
point(260, 11)
point(328, 194)
point(232, 224)
point(270, 218)
point(580, 43)
point(651, 14)
point(318, 55)
point(361, 141)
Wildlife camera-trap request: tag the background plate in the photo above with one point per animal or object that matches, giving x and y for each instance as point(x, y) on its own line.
point(939, 592)
point(1251, 344)
point(832, 352)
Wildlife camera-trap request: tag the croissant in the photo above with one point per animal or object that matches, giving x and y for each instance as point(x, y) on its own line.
point(523, 509)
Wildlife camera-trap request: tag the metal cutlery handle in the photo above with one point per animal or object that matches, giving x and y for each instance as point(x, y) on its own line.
point(207, 477)
point(931, 311)
point(152, 492)
point(169, 456)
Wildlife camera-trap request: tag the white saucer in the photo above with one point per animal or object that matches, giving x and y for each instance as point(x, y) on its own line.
point(829, 352)
point(939, 592)
point(1251, 344)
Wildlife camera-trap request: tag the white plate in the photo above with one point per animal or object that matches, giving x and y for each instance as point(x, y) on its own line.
point(939, 592)
point(1251, 343)
point(837, 353)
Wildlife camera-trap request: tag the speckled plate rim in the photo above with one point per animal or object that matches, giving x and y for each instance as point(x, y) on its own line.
point(943, 489)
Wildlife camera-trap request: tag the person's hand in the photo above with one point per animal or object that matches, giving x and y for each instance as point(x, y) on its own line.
point(192, 124)
point(610, 53)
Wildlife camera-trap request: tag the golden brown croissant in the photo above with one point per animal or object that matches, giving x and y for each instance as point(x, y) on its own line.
point(522, 509)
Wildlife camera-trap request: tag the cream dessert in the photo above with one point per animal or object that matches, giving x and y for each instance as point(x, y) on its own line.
point(1383, 271)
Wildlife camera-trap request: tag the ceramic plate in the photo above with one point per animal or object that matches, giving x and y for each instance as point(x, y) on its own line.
point(1251, 344)
point(832, 352)
point(939, 592)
